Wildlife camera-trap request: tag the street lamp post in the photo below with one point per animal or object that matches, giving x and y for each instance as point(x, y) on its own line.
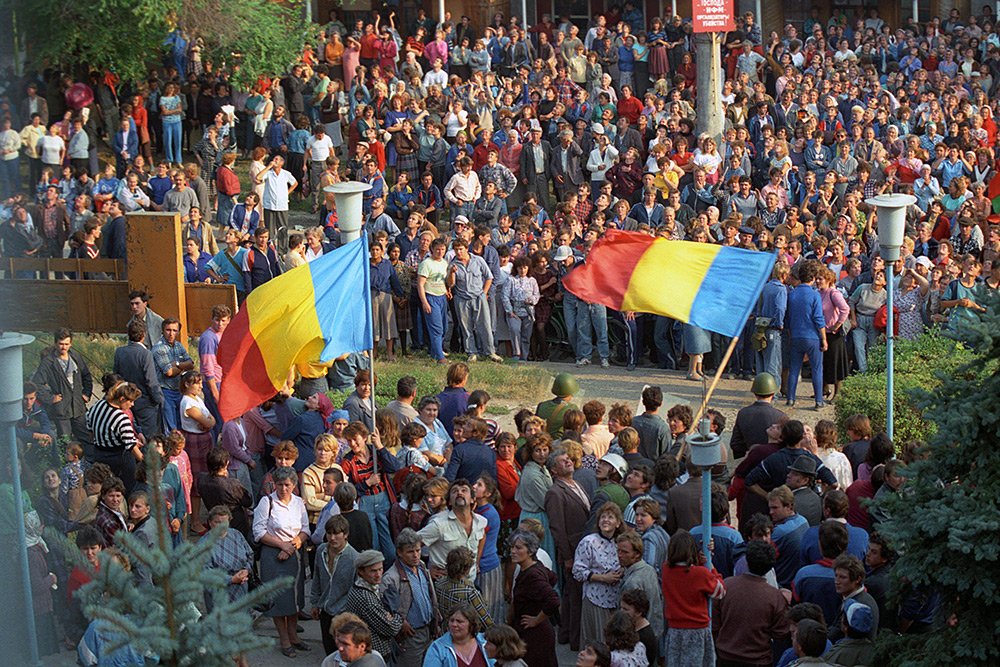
point(349, 197)
point(891, 224)
point(706, 451)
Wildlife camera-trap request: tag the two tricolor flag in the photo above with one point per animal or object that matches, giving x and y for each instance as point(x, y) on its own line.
point(323, 309)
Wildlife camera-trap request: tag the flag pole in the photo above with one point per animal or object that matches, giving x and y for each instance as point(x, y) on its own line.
point(708, 395)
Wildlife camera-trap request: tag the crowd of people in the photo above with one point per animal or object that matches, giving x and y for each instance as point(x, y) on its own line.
point(526, 145)
point(497, 156)
point(423, 533)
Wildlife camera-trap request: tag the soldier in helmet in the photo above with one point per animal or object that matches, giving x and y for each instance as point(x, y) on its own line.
point(552, 410)
point(753, 421)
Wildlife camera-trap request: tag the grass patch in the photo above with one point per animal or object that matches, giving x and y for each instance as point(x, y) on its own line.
point(513, 382)
point(524, 383)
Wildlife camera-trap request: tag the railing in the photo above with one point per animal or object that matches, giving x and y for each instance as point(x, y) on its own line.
point(114, 268)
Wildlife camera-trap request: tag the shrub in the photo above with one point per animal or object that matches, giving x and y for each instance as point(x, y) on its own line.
point(920, 365)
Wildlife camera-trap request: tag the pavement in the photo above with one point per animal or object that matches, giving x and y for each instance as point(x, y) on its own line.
point(608, 385)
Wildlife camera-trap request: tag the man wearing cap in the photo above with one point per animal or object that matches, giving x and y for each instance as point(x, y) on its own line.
point(753, 421)
point(800, 479)
point(536, 170)
point(463, 189)
point(365, 601)
point(968, 238)
point(857, 646)
point(469, 279)
point(566, 164)
point(611, 471)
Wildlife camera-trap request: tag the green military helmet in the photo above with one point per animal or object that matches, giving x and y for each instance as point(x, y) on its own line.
point(565, 385)
point(764, 385)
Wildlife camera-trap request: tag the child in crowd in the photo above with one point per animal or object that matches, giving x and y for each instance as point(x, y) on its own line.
point(332, 478)
point(284, 454)
point(71, 488)
point(360, 538)
point(174, 451)
point(688, 585)
point(93, 479)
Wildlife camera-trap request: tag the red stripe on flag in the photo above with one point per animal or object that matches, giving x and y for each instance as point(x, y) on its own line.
point(605, 277)
point(245, 383)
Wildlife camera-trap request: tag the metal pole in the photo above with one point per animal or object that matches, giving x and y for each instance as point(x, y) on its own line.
point(11, 372)
point(916, 10)
point(889, 360)
point(760, 21)
point(706, 513)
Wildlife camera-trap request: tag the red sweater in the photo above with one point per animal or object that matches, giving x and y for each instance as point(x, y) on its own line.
point(684, 595)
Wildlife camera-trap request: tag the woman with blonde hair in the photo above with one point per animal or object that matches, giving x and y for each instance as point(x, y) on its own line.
point(504, 646)
point(828, 451)
point(311, 485)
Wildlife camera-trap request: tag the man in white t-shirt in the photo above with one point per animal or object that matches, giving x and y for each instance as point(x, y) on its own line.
point(318, 148)
point(278, 184)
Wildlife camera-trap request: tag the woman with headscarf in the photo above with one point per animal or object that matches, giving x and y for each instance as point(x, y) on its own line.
point(510, 157)
point(304, 428)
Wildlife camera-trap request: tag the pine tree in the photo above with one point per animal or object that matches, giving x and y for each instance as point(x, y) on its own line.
point(946, 522)
point(167, 617)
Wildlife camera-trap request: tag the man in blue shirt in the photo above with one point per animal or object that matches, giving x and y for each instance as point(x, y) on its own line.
point(789, 528)
point(470, 279)
point(772, 306)
point(807, 332)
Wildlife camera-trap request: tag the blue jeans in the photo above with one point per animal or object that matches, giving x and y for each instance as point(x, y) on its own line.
point(465, 209)
point(592, 319)
point(436, 321)
point(520, 334)
point(571, 306)
point(769, 359)
point(863, 337)
point(171, 409)
point(801, 347)
point(377, 509)
point(743, 355)
point(419, 319)
point(10, 177)
point(172, 134)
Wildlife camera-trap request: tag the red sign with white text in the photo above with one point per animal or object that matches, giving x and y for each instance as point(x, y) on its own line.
point(713, 15)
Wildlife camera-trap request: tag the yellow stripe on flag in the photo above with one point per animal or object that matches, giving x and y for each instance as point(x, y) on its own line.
point(285, 325)
point(667, 278)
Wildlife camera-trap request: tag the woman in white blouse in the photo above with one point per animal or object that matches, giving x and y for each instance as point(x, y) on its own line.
point(281, 526)
point(596, 565)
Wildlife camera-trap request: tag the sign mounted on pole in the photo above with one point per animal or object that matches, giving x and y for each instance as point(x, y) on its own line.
point(713, 15)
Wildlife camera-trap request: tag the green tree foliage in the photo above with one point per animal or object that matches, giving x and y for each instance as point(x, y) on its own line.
point(946, 522)
point(919, 365)
point(252, 38)
point(167, 617)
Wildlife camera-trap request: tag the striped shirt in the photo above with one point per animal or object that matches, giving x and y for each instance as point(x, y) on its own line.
point(111, 427)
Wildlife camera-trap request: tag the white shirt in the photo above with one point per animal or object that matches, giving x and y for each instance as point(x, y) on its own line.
point(50, 147)
point(188, 402)
point(10, 142)
point(276, 189)
point(444, 532)
point(280, 520)
point(319, 148)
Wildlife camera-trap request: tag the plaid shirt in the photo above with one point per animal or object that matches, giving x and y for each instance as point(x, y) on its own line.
point(164, 356)
point(583, 209)
point(231, 554)
point(413, 258)
point(450, 594)
point(566, 90)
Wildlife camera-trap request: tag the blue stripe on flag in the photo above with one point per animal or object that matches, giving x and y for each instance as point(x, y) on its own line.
point(343, 299)
point(730, 290)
